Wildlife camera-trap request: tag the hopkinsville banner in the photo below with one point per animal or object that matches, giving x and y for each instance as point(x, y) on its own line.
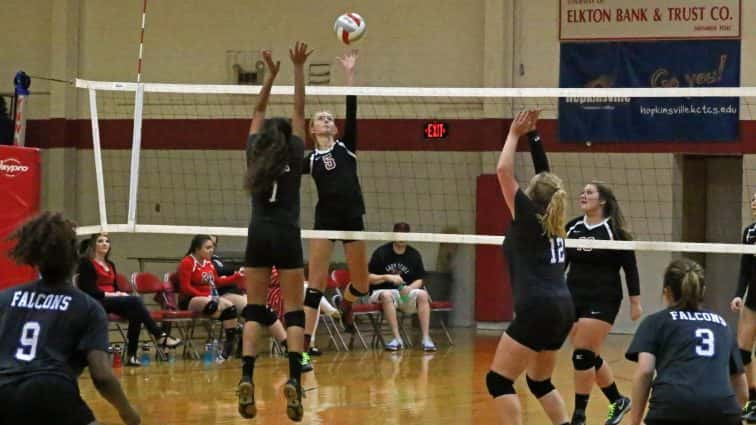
point(705, 63)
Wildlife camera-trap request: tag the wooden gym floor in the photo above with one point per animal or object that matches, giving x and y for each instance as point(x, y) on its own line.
point(357, 387)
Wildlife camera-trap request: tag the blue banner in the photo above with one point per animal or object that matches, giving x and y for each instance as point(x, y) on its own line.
point(714, 63)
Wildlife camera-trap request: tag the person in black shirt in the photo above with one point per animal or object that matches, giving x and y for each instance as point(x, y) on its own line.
point(333, 167)
point(694, 354)
point(396, 281)
point(596, 287)
point(534, 249)
point(745, 302)
point(50, 331)
point(274, 172)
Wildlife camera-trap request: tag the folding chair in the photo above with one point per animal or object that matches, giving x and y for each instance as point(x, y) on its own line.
point(435, 306)
point(147, 283)
point(372, 311)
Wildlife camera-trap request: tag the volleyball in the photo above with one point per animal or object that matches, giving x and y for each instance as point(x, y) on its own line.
point(349, 27)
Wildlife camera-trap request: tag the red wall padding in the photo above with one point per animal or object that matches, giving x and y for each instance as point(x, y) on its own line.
point(19, 191)
point(493, 292)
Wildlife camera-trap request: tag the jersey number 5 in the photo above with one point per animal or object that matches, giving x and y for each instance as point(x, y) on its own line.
point(705, 346)
point(557, 250)
point(28, 341)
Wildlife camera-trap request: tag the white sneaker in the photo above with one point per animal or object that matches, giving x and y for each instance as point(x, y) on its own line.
point(428, 345)
point(394, 345)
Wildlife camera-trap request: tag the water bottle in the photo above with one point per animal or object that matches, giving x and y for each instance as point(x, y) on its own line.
point(207, 356)
point(145, 358)
point(216, 348)
point(171, 355)
point(117, 360)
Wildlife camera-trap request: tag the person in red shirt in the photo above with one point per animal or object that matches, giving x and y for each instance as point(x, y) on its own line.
point(199, 282)
point(97, 277)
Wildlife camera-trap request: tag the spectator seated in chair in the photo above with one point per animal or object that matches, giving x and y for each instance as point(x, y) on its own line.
point(97, 277)
point(396, 281)
point(199, 284)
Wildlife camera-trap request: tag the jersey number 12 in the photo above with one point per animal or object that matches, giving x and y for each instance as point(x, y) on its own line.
point(557, 250)
point(28, 341)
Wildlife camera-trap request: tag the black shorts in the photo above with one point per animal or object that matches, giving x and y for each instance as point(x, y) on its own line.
point(606, 311)
point(544, 324)
point(272, 244)
point(43, 399)
point(338, 222)
point(732, 420)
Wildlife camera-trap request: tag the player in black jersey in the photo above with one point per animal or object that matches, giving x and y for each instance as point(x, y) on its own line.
point(747, 309)
point(544, 312)
point(333, 166)
point(596, 287)
point(50, 331)
point(694, 354)
point(274, 172)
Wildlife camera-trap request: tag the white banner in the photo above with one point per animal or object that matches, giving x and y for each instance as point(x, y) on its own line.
point(648, 19)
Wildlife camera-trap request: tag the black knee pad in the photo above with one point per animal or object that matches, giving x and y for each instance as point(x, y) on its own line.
point(598, 363)
point(357, 294)
point(255, 313)
point(539, 388)
point(312, 298)
point(228, 314)
point(746, 356)
point(583, 359)
point(210, 308)
point(295, 318)
point(499, 385)
point(270, 317)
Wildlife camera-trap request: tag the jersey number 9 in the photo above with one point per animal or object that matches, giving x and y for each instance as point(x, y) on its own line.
point(28, 341)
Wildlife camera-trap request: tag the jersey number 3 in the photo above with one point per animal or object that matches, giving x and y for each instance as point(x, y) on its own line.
point(28, 342)
point(705, 345)
point(557, 250)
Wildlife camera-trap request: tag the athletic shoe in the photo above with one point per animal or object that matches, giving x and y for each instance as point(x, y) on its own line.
point(306, 363)
point(314, 352)
point(578, 418)
point(429, 346)
point(293, 394)
point(749, 412)
point(617, 411)
point(132, 361)
point(246, 393)
point(170, 342)
point(394, 345)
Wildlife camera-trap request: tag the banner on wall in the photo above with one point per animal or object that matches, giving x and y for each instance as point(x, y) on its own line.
point(648, 19)
point(709, 63)
point(20, 179)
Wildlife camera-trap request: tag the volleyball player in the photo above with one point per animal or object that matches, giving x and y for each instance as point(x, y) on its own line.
point(747, 308)
point(594, 281)
point(543, 306)
point(694, 355)
point(50, 331)
point(275, 149)
point(333, 166)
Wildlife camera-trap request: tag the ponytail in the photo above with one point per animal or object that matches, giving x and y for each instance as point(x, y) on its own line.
point(545, 190)
point(685, 280)
point(553, 221)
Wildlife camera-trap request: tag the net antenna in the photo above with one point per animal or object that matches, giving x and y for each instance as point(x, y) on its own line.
point(136, 141)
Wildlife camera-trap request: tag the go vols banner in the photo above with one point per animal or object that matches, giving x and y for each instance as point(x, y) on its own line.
point(19, 199)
